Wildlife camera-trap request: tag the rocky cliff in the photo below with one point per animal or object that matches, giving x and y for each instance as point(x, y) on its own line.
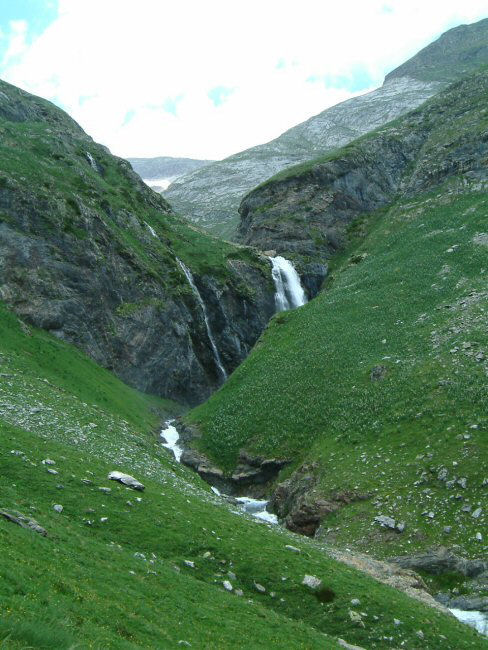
point(211, 196)
point(306, 211)
point(89, 253)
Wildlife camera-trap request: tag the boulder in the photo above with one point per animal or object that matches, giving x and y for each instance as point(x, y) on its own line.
point(126, 479)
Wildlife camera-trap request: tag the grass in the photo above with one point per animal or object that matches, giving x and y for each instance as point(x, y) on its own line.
point(87, 585)
point(305, 392)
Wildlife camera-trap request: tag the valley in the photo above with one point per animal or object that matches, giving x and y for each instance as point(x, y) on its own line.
point(276, 442)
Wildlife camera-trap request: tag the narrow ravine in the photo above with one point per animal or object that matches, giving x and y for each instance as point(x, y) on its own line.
point(289, 291)
point(254, 507)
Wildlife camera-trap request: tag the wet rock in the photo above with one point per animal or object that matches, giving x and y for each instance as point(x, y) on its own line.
point(126, 479)
point(312, 277)
point(23, 521)
point(207, 471)
point(256, 469)
point(470, 603)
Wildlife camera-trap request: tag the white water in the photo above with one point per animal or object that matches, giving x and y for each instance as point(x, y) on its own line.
point(254, 507)
point(199, 298)
point(151, 229)
point(289, 291)
point(257, 509)
point(478, 620)
point(92, 161)
point(171, 436)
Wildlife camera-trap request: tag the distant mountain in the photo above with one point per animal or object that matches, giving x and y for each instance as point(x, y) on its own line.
point(161, 171)
point(211, 196)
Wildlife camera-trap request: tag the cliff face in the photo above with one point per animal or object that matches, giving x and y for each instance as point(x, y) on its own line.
point(89, 253)
point(211, 196)
point(305, 211)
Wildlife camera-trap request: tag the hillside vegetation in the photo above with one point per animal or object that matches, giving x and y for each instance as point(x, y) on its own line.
point(377, 389)
point(126, 569)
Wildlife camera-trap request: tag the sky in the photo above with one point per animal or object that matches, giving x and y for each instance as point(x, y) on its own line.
point(209, 78)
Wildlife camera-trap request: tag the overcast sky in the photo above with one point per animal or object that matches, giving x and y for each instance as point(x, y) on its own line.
point(208, 78)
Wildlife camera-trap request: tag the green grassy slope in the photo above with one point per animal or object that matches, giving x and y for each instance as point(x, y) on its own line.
point(416, 304)
point(86, 585)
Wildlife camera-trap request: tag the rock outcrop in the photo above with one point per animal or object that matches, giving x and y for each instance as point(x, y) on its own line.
point(301, 507)
point(442, 560)
point(89, 253)
point(305, 212)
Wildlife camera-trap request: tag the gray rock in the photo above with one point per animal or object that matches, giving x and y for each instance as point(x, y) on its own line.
point(259, 588)
point(477, 513)
point(385, 521)
point(23, 521)
point(227, 585)
point(312, 581)
point(294, 549)
point(58, 508)
point(441, 560)
point(470, 603)
point(127, 480)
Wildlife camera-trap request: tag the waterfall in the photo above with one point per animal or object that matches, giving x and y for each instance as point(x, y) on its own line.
point(199, 298)
point(289, 291)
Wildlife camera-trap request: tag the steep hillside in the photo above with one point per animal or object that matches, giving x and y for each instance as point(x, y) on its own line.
point(159, 172)
point(211, 196)
point(90, 253)
point(376, 391)
point(107, 566)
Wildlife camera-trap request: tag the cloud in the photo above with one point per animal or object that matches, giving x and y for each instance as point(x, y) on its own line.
point(16, 39)
point(220, 94)
point(207, 79)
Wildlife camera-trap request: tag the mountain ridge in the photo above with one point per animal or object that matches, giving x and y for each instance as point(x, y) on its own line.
point(211, 196)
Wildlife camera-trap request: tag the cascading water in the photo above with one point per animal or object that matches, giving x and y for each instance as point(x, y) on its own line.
point(254, 507)
point(199, 298)
point(289, 291)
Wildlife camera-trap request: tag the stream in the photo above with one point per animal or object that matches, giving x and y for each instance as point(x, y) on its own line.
point(478, 620)
point(254, 507)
